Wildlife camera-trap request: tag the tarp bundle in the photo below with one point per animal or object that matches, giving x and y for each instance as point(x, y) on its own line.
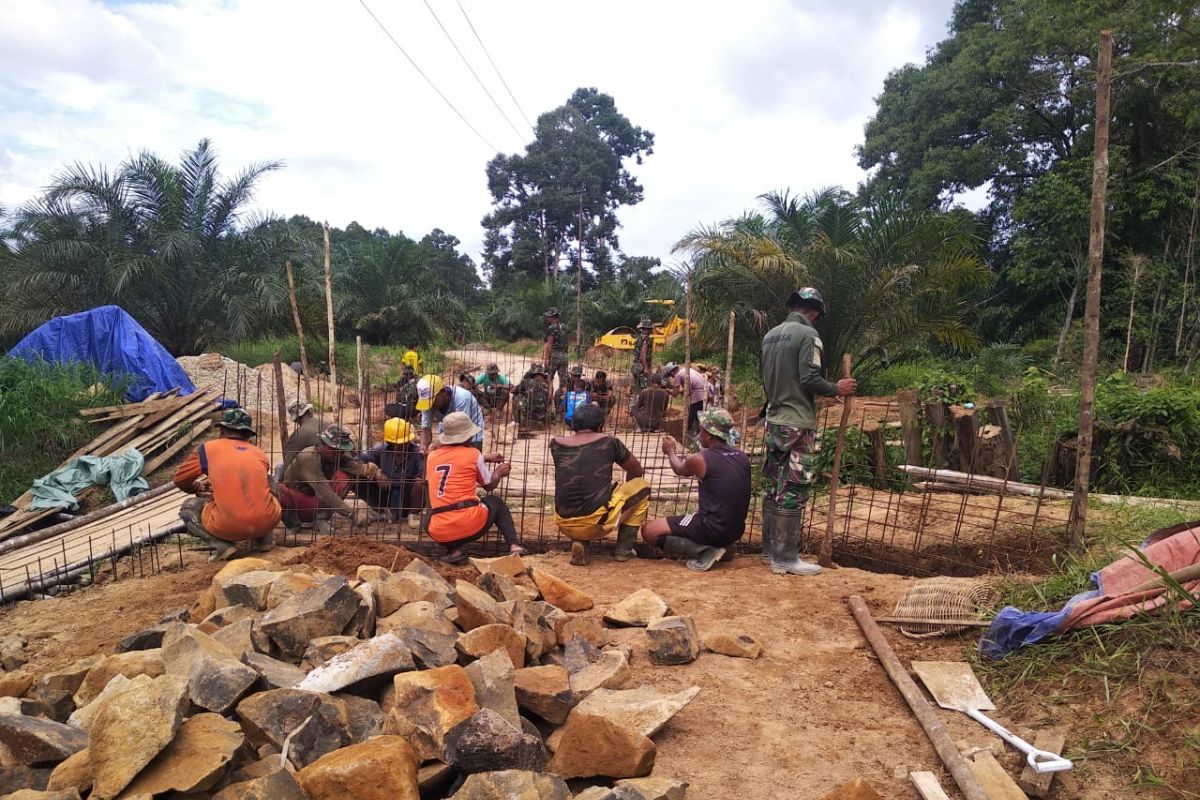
point(121, 473)
point(113, 342)
point(1125, 588)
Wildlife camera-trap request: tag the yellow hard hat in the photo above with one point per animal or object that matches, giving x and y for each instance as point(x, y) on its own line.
point(397, 431)
point(427, 389)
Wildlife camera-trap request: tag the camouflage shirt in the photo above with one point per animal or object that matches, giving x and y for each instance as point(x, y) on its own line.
point(643, 349)
point(557, 333)
point(583, 474)
point(536, 394)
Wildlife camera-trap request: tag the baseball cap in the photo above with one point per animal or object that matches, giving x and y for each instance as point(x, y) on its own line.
point(427, 387)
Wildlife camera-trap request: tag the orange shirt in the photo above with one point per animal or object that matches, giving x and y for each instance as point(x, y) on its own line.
point(452, 473)
point(242, 505)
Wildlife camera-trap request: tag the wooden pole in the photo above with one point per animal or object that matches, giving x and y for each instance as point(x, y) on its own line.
point(362, 395)
point(291, 278)
point(947, 751)
point(825, 554)
point(687, 352)
point(280, 401)
point(329, 314)
point(1137, 262)
point(1091, 315)
point(728, 382)
point(579, 286)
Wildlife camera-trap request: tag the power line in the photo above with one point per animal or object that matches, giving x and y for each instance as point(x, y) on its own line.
point(471, 69)
point(421, 72)
point(494, 67)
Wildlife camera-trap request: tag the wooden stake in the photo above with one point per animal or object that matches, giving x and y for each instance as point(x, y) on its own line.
point(579, 286)
point(329, 310)
point(291, 278)
point(1091, 315)
point(280, 400)
point(728, 382)
point(362, 396)
point(825, 554)
point(1137, 262)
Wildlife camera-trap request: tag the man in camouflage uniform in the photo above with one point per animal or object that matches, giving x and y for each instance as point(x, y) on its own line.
point(792, 356)
point(554, 354)
point(643, 352)
point(533, 399)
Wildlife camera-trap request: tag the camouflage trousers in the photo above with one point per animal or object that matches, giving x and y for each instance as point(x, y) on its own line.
point(788, 469)
point(558, 366)
point(638, 373)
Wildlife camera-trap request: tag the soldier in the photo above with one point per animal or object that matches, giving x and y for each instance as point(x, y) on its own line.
point(643, 351)
point(533, 399)
point(602, 391)
point(554, 353)
point(791, 374)
point(492, 388)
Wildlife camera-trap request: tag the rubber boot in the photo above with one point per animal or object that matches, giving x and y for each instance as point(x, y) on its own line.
point(626, 538)
point(785, 549)
point(698, 557)
point(265, 543)
point(768, 527)
point(579, 554)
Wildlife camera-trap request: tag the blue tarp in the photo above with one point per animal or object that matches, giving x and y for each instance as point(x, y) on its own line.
point(113, 342)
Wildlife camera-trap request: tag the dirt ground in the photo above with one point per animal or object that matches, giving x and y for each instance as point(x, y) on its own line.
point(815, 710)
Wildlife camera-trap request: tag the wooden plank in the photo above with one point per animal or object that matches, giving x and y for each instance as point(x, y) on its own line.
point(927, 786)
point(166, 455)
point(1037, 784)
point(910, 428)
point(997, 784)
point(132, 409)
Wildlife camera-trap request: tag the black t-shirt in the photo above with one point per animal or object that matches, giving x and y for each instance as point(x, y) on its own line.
point(583, 474)
point(725, 490)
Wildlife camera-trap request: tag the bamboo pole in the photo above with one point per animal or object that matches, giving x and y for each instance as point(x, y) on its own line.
point(280, 399)
point(687, 355)
point(728, 382)
point(291, 279)
point(1091, 315)
point(363, 400)
point(825, 554)
point(947, 751)
point(329, 311)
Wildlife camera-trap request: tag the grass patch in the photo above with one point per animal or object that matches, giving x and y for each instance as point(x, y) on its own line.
point(39, 417)
point(1124, 693)
point(384, 359)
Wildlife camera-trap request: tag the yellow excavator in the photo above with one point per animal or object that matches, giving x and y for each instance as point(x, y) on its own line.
point(664, 333)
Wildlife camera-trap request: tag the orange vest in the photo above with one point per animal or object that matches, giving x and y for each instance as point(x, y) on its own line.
point(242, 505)
point(452, 474)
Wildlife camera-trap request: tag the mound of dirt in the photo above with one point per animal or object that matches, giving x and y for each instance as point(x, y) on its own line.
point(345, 554)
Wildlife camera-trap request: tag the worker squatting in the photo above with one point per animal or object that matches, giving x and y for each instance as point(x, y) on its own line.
point(239, 497)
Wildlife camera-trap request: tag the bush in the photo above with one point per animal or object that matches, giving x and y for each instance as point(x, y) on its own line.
point(39, 416)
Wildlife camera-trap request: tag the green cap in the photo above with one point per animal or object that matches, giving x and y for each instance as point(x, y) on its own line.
point(236, 419)
point(717, 421)
point(337, 437)
point(552, 312)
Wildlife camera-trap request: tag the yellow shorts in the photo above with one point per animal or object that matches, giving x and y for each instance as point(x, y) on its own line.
point(629, 505)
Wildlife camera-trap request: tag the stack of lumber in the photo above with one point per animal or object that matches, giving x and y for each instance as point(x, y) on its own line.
point(159, 427)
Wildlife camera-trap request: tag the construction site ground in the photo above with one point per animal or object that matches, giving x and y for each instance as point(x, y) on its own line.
point(813, 711)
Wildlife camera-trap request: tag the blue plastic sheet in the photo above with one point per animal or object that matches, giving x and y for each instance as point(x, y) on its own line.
point(113, 342)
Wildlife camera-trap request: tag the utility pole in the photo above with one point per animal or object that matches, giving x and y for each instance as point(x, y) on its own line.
point(1091, 315)
point(579, 286)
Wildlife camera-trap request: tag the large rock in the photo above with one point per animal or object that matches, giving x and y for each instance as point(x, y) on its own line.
point(366, 717)
point(492, 677)
point(273, 673)
point(194, 760)
point(420, 614)
point(430, 704)
point(216, 678)
point(323, 611)
point(589, 628)
point(637, 610)
point(56, 690)
point(741, 645)
point(249, 589)
point(374, 659)
point(490, 638)
point(476, 607)
point(242, 637)
point(410, 587)
point(137, 662)
point(82, 717)
point(34, 794)
point(288, 585)
point(488, 742)
point(651, 788)
point(503, 588)
point(204, 604)
point(73, 773)
point(559, 593)
point(363, 623)
point(323, 648)
point(239, 566)
point(12, 651)
point(430, 649)
point(269, 717)
point(594, 746)
point(644, 710)
point(15, 684)
point(577, 654)
point(35, 741)
point(145, 639)
point(384, 768)
point(371, 573)
point(545, 691)
point(509, 565)
point(225, 616)
point(538, 622)
point(611, 671)
point(672, 640)
point(513, 785)
point(279, 785)
point(131, 730)
point(422, 568)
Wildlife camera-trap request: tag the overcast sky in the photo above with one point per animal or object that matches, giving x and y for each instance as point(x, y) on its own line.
point(742, 97)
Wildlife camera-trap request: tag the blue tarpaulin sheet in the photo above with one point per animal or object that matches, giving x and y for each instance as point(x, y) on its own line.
point(113, 342)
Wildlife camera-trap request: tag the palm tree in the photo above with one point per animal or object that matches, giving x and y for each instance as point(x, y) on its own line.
point(893, 277)
point(163, 240)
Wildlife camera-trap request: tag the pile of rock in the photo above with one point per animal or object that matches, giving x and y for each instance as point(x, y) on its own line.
point(290, 683)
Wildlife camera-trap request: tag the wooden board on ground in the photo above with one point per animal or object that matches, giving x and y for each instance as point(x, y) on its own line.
point(997, 784)
point(927, 786)
point(1037, 784)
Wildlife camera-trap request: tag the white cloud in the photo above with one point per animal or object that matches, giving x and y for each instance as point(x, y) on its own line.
point(742, 98)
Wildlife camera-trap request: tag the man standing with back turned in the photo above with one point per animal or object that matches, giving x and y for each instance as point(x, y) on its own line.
point(792, 356)
point(554, 351)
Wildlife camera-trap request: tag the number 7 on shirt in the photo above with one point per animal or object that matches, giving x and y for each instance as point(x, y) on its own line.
point(444, 471)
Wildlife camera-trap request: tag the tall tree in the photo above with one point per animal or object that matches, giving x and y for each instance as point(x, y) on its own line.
point(576, 161)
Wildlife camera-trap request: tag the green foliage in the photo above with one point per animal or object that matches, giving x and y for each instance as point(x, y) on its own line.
point(576, 161)
point(39, 416)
